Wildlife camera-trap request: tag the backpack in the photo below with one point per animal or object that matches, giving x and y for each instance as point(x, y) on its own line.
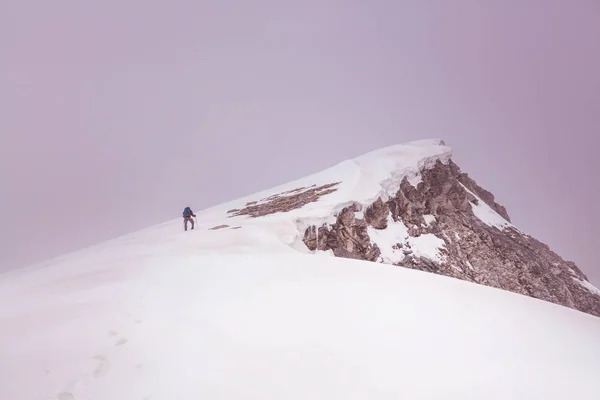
point(186, 212)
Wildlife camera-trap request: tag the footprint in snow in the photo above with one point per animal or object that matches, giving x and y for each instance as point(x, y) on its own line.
point(65, 396)
point(102, 367)
point(121, 342)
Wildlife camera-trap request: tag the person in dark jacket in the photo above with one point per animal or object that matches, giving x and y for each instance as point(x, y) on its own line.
point(187, 216)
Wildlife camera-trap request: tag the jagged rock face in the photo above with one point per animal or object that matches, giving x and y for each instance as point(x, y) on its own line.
point(377, 215)
point(441, 206)
point(348, 237)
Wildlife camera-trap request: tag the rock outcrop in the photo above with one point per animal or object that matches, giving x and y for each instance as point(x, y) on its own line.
point(348, 237)
point(442, 207)
point(445, 224)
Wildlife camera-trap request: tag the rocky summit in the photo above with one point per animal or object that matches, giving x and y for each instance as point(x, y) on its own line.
point(435, 219)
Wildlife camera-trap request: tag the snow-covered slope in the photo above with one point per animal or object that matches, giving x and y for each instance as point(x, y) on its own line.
point(248, 312)
point(362, 179)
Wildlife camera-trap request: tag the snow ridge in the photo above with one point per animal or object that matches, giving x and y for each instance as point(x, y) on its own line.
point(243, 312)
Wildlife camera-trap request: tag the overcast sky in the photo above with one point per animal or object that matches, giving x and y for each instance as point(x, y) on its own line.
point(116, 114)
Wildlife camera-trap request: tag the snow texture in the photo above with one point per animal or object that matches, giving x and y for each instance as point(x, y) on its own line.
point(249, 313)
point(388, 240)
point(486, 214)
point(428, 246)
point(588, 286)
point(396, 235)
point(429, 219)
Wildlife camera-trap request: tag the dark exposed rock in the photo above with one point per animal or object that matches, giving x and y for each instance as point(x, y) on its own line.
point(377, 214)
point(501, 257)
point(348, 237)
point(214, 228)
point(286, 201)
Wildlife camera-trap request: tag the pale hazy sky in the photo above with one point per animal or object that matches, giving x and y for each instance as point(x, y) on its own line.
point(116, 114)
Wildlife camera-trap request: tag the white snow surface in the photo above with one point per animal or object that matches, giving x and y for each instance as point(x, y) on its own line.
point(396, 234)
point(487, 214)
point(588, 286)
point(363, 179)
point(250, 313)
point(429, 219)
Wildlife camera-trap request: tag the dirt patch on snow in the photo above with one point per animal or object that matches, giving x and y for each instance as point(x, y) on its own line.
point(284, 202)
point(214, 228)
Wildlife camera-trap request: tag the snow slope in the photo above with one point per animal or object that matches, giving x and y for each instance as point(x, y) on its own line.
point(249, 314)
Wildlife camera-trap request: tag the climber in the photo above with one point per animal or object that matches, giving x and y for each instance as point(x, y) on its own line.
point(187, 216)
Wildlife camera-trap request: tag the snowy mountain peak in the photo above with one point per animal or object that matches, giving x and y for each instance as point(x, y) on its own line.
point(411, 206)
point(314, 289)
